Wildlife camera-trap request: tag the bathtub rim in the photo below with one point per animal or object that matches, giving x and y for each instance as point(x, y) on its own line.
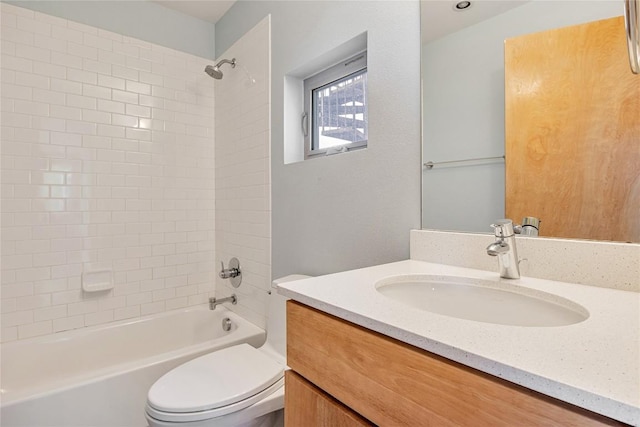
point(85, 330)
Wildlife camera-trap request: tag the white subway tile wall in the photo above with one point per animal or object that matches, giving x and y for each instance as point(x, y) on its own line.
point(107, 164)
point(243, 181)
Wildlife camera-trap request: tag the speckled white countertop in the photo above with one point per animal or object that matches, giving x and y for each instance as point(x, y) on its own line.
point(594, 364)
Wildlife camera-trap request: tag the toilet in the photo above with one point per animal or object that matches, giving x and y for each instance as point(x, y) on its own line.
point(238, 386)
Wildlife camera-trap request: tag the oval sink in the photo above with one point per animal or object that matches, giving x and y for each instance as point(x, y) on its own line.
point(482, 300)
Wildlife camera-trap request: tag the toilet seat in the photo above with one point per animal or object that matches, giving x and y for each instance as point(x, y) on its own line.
point(215, 384)
point(186, 417)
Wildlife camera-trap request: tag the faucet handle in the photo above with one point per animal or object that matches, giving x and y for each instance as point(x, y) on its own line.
point(503, 228)
point(233, 272)
point(226, 273)
point(530, 226)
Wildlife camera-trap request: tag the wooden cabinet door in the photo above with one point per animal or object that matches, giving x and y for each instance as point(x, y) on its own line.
point(308, 406)
point(572, 132)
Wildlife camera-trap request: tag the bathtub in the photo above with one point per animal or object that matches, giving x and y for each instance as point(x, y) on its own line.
point(99, 376)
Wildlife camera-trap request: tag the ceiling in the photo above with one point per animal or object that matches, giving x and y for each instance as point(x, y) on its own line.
point(207, 10)
point(438, 17)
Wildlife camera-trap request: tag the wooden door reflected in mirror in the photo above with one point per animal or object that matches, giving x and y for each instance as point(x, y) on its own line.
point(572, 132)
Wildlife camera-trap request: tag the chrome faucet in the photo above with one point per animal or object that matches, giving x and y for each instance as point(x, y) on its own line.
point(214, 302)
point(505, 249)
point(530, 226)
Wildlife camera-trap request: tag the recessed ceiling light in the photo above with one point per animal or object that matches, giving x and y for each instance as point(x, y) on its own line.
point(462, 5)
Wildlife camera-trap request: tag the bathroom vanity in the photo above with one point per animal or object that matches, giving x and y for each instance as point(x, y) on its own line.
point(392, 383)
point(360, 358)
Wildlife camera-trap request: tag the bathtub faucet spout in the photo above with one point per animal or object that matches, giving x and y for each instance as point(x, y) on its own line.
point(214, 302)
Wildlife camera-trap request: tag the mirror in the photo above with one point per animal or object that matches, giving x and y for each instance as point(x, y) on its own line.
point(464, 97)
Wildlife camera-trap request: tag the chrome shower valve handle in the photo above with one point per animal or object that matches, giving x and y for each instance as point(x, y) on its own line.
point(233, 272)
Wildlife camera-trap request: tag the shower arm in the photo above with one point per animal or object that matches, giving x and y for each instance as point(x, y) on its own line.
point(226, 61)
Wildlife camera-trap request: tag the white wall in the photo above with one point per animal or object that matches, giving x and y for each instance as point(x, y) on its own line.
point(107, 163)
point(141, 19)
point(354, 209)
point(463, 75)
point(243, 179)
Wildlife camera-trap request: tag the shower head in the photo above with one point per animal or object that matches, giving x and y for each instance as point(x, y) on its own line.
point(214, 71)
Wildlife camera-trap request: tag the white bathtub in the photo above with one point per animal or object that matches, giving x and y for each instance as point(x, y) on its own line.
point(99, 376)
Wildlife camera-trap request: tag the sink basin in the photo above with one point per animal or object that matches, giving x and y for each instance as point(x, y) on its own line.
point(482, 300)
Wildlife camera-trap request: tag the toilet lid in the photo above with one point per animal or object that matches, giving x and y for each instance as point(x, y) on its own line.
point(214, 380)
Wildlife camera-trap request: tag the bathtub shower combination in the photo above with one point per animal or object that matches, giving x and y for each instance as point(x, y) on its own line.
point(100, 376)
point(108, 153)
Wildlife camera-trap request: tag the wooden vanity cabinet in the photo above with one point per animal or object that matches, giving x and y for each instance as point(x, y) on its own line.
point(390, 383)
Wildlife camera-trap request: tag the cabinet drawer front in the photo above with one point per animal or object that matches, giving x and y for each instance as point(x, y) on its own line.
point(394, 384)
point(306, 405)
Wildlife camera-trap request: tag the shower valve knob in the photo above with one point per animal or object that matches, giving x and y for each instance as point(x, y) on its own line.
point(233, 272)
point(227, 273)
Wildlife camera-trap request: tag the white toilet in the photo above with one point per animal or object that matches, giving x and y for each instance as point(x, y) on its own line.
point(238, 386)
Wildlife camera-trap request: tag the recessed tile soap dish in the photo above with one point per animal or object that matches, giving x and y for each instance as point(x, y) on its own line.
point(97, 281)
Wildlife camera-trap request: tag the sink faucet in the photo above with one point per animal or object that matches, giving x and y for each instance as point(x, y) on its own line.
point(505, 249)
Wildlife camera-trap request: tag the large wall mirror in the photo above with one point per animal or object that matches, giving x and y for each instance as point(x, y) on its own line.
point(463, 78)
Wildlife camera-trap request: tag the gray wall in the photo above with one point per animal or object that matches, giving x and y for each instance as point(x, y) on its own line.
point(464, 109)
point(143, 20)
point(355, 209)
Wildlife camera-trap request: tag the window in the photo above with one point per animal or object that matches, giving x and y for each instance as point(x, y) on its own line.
point(336, 108)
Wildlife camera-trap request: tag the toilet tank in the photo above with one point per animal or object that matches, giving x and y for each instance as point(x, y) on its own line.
point(276, 316)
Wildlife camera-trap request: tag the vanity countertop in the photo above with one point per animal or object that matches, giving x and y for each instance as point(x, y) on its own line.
point(594, 364)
